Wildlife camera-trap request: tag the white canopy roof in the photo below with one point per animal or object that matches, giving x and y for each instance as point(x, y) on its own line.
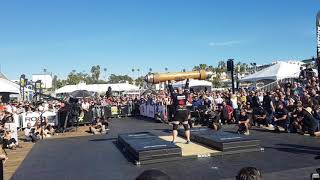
point(100, 88)
point(280, 70)
point(192, 83)
point(8, 87)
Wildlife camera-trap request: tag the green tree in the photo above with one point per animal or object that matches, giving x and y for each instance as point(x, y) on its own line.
point(95, 72)
point(222, 65)
point(200, 67)
point(120, 79)
point(105, 72)
point(139, 81)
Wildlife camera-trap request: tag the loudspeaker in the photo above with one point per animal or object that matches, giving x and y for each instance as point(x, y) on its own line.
point(230, 65)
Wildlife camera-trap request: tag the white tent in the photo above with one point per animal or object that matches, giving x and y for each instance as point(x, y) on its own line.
point(193, 83)
point(7, 86)
point(99, 88)
point(280, 70)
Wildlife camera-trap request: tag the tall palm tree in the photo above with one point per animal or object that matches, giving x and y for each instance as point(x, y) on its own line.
point(105, 73)
point(138, 70)
point(166, 69)
point(132, 70)
point(44, 70)
point(183, 70)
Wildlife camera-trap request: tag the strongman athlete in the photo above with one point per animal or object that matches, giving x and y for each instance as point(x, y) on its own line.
point(180, 112)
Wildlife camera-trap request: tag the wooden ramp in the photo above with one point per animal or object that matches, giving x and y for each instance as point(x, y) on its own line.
point(192, 149)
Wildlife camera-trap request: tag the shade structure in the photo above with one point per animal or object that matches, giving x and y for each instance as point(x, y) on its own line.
point(81, 94)
point(99, 88)
point(280, 70)
point(7, 86)
point(193, 83)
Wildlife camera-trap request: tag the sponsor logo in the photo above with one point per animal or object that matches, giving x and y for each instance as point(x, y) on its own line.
point(155, 146)
point(230, 138)
point(181, 97)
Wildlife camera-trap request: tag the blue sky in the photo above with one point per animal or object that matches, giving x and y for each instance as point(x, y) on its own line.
point(63, 35)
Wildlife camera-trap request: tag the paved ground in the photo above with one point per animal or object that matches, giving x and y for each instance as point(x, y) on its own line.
point(286, 156)
point(17, 156)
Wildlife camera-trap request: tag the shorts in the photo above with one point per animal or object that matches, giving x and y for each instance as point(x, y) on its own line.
point(181, 116)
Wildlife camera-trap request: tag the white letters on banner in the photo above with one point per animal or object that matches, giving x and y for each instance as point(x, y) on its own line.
point(34, 116)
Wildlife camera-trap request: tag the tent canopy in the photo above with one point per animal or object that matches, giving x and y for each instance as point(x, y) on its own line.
point(280, 70)
point(7, 86)
point(193, 83)
point(100, 88)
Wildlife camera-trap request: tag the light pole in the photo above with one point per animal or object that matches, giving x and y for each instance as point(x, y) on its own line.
point(318, 42)
point(230, 67)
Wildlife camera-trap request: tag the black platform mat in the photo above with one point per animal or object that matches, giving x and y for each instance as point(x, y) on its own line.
point(145, 146)
point(223, 141)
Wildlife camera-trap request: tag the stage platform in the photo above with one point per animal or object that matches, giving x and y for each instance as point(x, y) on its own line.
point(286, 156)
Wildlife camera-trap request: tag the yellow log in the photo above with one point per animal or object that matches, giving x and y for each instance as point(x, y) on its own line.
point(177, 76)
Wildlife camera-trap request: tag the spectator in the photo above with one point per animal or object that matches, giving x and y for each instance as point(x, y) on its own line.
point(99, 127)
point(249, 173)
point(244, 123)
point(153, 174)
point(281, 118)
point(29, 133)
point(9, 141)
point(260, 117)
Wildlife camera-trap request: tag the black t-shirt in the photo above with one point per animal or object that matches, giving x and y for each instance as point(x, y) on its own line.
point(267, 102)
point(281, 112)
point(291, 108)
point(309, 122)
point(315, 100)
point(259, 112)
point(243, 117)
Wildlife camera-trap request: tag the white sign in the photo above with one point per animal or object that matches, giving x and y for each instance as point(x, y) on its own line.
point(34, 116)
point(29, 117)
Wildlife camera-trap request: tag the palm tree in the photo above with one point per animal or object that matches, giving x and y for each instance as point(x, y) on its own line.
point(105, 72)
point(183, 70)
point(200, 67)
point(44, 70)
point(73, 71)
point(132, 70)
point(222, 65)
point(166, 69)
point(138, 70)
point(150, 69)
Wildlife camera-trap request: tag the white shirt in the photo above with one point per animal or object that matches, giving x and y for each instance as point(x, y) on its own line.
point(85, 106)
point(218, 100)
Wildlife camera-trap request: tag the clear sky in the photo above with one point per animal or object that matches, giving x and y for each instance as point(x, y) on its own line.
point(62, 35)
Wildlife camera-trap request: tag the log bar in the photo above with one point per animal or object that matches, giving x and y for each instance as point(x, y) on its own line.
point(177, 76)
